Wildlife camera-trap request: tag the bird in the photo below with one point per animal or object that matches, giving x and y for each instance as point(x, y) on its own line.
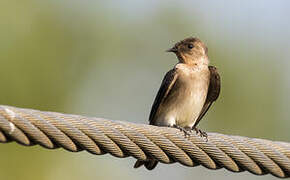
point(186, 92)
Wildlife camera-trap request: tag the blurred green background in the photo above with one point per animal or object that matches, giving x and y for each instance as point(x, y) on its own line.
point(107, 59)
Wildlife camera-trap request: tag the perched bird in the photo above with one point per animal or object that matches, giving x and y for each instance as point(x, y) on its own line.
point(186, 93)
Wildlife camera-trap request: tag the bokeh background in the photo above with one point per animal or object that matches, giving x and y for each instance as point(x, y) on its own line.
point(107, 59)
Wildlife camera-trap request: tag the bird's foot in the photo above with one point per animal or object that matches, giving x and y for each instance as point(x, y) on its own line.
point(187, 131)
point(200, 132)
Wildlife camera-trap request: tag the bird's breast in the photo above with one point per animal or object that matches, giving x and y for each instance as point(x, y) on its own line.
point(186, 99)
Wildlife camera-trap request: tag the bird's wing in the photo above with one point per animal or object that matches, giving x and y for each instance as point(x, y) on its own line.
point(212, 94)
point(166, 85)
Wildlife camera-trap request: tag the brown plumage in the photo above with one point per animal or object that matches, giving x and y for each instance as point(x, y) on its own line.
point(186, 93)
point(213, 92)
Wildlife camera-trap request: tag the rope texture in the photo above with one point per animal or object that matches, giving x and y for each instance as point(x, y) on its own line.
point(122, 139)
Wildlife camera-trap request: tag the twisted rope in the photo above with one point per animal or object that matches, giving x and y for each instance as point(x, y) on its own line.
point(122, 139)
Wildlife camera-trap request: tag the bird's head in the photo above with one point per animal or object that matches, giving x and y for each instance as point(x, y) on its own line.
point(190, 51)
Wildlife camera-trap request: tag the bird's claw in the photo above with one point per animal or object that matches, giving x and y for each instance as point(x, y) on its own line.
point(187, 132)
point(200, 132)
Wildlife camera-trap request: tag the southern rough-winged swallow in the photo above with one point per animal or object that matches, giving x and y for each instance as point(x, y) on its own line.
point(187, 91)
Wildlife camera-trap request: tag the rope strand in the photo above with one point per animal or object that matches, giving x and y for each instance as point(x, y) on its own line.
point(122, 139)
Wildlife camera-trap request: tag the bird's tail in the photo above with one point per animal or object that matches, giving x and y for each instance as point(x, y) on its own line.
point(150, 164)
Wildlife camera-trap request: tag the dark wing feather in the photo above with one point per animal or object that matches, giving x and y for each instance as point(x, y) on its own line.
point(167, 83)
point(212, 94)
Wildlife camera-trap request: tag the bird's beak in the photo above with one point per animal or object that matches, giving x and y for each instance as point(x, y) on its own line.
point(173, 49)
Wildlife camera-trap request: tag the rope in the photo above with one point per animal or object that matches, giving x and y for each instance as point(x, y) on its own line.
point(122, 139)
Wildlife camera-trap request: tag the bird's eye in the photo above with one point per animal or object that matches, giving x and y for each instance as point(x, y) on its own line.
point(190, 46)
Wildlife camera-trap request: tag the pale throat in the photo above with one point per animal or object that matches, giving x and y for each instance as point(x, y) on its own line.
point(193, 61)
